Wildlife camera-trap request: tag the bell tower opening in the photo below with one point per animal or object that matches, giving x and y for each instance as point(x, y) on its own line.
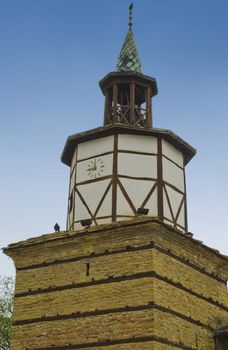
point(128, 98)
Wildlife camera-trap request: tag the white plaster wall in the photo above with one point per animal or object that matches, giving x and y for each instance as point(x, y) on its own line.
point(68, 222)
point(173, 174)
point(137, 165)
point(181, 217)
point(168, 222)
point(166, 210)
point(137, 143)
point(123, 208)
point(171, 152)
point(137, 190)
point(95, 147)
point(71, 217)
point(82, 174)
point(92, 193)
point(104, 221)
point(81, 211)
point(73, 162)
point(125, 218)
point(175, 199)
point(106, 207)
point(133, 165)
point(77, 226)
point(72, 180)
point(152, 204)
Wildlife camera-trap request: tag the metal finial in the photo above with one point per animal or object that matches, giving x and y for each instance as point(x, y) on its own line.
point(130, 15)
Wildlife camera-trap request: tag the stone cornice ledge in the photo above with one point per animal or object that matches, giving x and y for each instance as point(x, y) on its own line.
point(109, 227)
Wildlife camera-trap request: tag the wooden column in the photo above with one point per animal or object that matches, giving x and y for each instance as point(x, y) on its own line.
point(149, 108)
point(132, 103)
point(106, 106)
point(115, 96)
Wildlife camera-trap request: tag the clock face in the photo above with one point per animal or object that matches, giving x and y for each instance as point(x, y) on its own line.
point(95, 168)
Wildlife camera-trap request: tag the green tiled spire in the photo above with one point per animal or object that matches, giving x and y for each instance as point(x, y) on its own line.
point(129, 59)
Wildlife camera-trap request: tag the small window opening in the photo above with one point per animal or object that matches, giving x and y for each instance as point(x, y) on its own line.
point(222, 343)
point(221, 338)
point(87, 269)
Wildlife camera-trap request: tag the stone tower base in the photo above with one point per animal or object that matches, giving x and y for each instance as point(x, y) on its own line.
point(128, 286)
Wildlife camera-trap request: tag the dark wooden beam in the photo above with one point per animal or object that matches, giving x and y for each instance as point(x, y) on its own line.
point(149, 107)
point(115, 97)
point(132, 103)
point(160, 180)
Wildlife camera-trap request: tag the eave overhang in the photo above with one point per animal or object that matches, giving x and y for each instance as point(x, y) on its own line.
point(113, 129)
point(128, 76)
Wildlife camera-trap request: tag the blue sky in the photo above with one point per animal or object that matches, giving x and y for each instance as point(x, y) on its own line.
point(53, 54)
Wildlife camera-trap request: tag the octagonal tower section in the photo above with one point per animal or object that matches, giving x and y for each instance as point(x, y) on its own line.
point(117, 169)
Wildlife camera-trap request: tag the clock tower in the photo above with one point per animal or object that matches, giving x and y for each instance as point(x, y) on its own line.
point(127, 164)
point(128, 282)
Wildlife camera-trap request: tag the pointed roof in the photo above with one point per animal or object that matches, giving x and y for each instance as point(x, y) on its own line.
point(129, 59)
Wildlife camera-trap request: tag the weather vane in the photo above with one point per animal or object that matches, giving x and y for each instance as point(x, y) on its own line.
point(130, 15)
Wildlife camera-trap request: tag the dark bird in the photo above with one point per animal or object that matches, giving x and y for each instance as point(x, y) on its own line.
point(57, 227)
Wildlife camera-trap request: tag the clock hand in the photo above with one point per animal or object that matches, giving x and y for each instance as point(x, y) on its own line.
point(93, 168)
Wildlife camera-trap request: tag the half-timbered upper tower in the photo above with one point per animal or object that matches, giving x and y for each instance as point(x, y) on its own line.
point(127, 164)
